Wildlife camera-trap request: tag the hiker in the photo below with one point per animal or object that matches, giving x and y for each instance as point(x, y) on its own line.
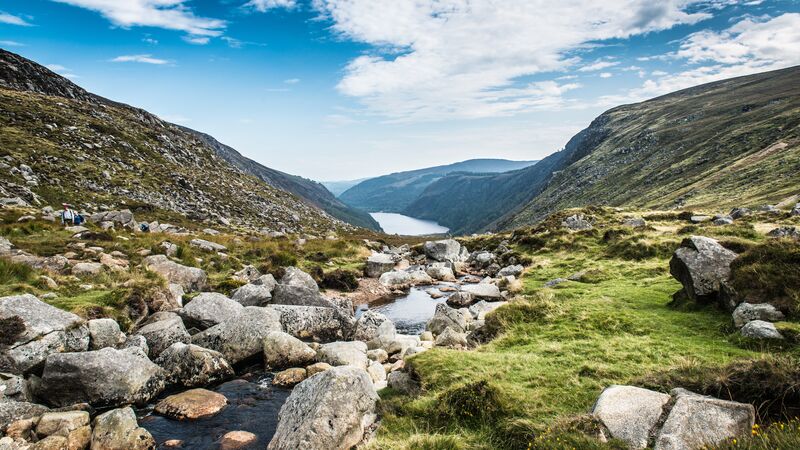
point(144, 228)
point(68, 215)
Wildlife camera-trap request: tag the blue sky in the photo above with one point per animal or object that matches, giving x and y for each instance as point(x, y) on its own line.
point(345, 89)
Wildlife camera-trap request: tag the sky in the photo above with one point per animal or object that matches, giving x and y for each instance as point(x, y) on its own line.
point(348, 89)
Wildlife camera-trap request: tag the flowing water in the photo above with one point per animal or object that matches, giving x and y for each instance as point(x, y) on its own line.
point(407, 226)
point(410, 312)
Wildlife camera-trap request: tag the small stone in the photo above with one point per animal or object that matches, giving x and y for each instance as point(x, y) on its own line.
point(192, 404)
point(236, 440)
point(289, 377)
point(316, 368)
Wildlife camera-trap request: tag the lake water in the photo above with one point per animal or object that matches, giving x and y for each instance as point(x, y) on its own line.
point(393, 223)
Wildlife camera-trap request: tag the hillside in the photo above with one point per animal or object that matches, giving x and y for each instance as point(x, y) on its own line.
point(393, 192)
point(113, 154)
point(689, 149)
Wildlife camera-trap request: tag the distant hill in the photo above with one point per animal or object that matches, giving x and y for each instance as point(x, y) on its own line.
point(730, 143)
point(394, 192)
point(338, 187)
point(60, 143)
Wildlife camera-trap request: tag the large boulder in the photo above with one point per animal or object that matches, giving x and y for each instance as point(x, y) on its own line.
point(106, 377)
point(118, 430)
point(32, 330)
point(629, 413)
point(514, 270)
point(286, 294)
point(483, 291)
point(191, 279)
point(460, 299)
point(701, 264)
point(296, 277)
point(282, 350)
point(104, 333)
point(696, 421)
point(448, 250)
point(209, 309)
point(241, 337)
point(192, 404)
point(190, 365)
point(313, 322)
point(207, 246)
point(441, 272)
point(368, 324)
point(330, 410)
point(748, 312)
point(253, 294)
point(350, 353)
point(378, 264)
point(760, 329)
point(445, 317)
point(451, 338)
point(396, 279)
point(162, 334)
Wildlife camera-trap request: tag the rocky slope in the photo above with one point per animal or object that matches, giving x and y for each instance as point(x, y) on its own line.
point(728, 143)
point(393, 192)
point(60, 143)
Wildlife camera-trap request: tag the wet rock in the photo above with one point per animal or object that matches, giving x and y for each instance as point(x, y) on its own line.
point(253, 295)
point(629, 413)
point(378, 264)
point(331, 410)
point(33, 330)
point(105, 377)
point(759, 329)
point(235, 440)
point(209, 309)
point(289, 377)
point(190, 278)
point(117, 430)
point(701, 264)
point(312, 322)
point(192, 405)
point(748, 312)
point(282, 350)
point(190, 365)
point(351, 353)
point(242, 336)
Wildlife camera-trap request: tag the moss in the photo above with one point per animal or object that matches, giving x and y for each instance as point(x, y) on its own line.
point(473, 404)
point(11, 328)
point(339, 279)
point(770, 272)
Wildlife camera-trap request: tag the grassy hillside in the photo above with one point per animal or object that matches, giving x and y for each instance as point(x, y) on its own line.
point(392, 193)
point(729, 143)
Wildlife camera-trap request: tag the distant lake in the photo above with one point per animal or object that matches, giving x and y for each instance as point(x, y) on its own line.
point(399, 224)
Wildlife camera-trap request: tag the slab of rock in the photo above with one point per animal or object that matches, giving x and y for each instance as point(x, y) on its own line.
point(209, 309)
point(331, 410)
point(235, 440)
point(448, 250)
point(190, 365)
point(118, 430)
point(313, 322)
point(207, 246)
point(38, 330)
point(282, 350)
point(367, 325)
point(483, 291)
point(242, 336)
point(350, 353)
point(378, 264)
point(11, 411)
point(191, 279)
point(162, 334)
point(440, 272)
point(316, 368)
point(630, 413)
point(104, 333)
point(696, 421)
point(396, 279)
point(253, 294)
point(106, 377)
point(192, 405)
point(83, 269)
point(759, 329)
point(748, 312)
point(701, 264)
point(61, 423)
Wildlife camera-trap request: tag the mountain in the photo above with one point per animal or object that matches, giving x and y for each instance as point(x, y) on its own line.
point(719, 145)
point(392, 193)
point(85, 148)
point(338, 187)
point(60, 143)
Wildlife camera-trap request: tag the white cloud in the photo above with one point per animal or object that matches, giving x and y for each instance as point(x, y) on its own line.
point(266, 5)
point(598, 65)
point(146, 59)
point(12, 44)
point(292, 81)
point(149, 40)
point(13, 20)
point(606, 75)
point(197, 40)
point(441, 59)
point(167, 14)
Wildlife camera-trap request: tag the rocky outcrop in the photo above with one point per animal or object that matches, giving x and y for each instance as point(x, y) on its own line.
point(330, 410)
point(106, 377)
point(701, 264)
point(32, 330)
point(191, 279)
point(190, 365)
point(242, 336)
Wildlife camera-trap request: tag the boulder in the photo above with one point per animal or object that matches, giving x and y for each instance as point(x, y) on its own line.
point(759, 329)
point(440, 272)
point(376, 372)
point(117, 430)
point(316, 368)
point(105, 377)
point(209, 309)
point(460, 299)
point(483, 291)
point(722, 220)
point(444, 317)
point(11, 411)
point(104, 333)
point(313, 322)
point(634, 222)
point(36, 331)
point(482, 259)
point(83, 269)
point(515, 270)
point(451, 338)
point(350, 353)
point(296, 277)
point(282, 350)
point(700, 218)
point(190, 365)
point(577, 222)
point(242, 336)
point(748, 312)
point(61, 423)
point(480, 309)
point(289, 377)
point(191, 279)
point(162, 334)
point(403, 382)
point(330, 410)
point(14, 387)
point(192, 405)
point(286, 294)
point(696, 421)
point(738, 213)
point(701, 264)
point(396, 279)
point(784, 232)
point(378, 264)
point(629, 413)
point(367, 325)
point(207, 246)
point(236, 440)
point(448, 250)
point(378, 355)
point(253, 294)
point(247, 274)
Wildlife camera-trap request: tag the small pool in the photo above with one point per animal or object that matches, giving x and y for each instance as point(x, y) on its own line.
point(410, 313)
